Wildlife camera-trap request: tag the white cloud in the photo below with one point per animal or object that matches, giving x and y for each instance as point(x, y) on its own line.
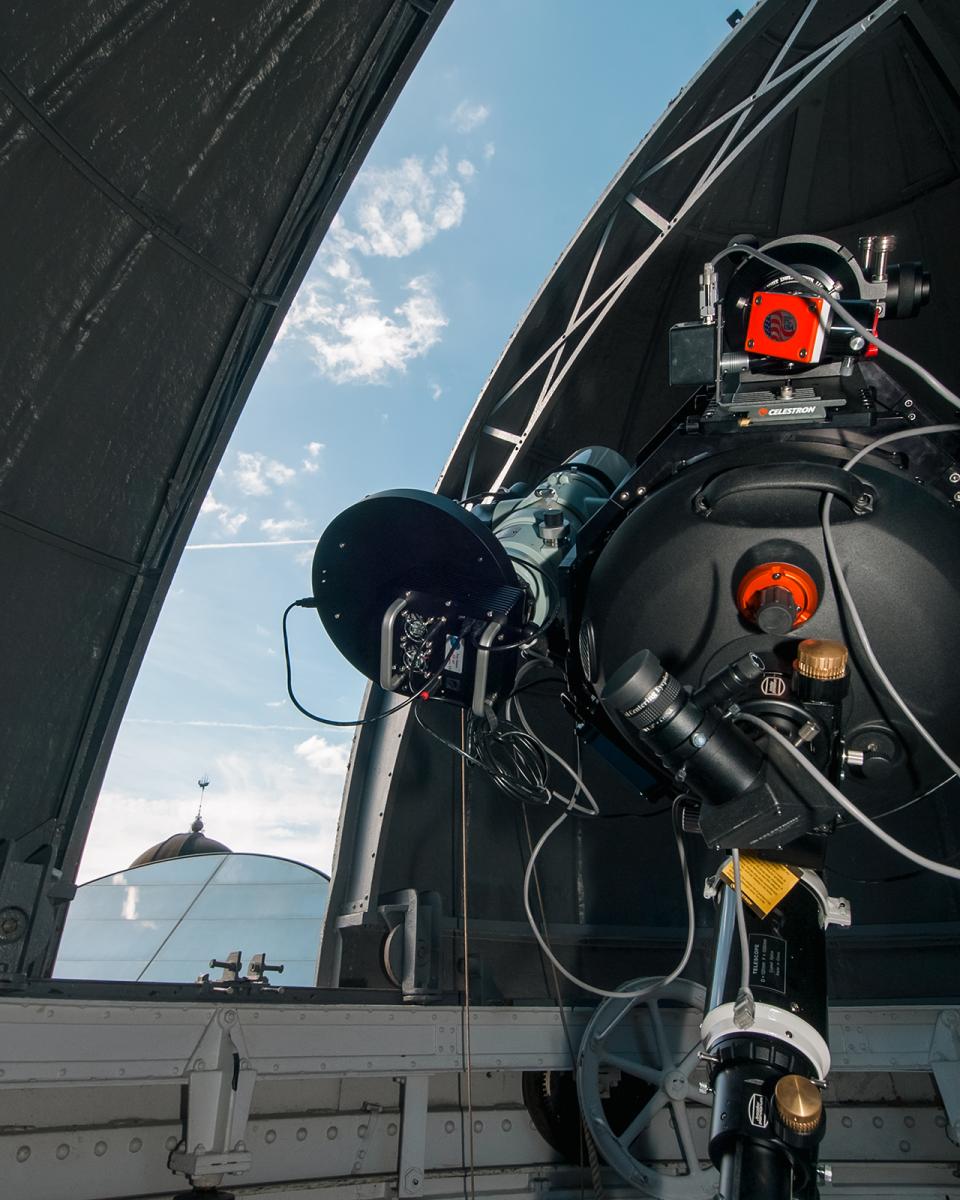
point(468, 116)
point(329, 758)
point(353, 340)
point(311, 465)
point(399, 210)
point(282, 529)
point(229, 519)
point(338, 313)
point(255, 472)
point(489, 151)
point(436, 391)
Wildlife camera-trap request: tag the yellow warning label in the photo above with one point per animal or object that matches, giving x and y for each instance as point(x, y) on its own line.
point(764, 884)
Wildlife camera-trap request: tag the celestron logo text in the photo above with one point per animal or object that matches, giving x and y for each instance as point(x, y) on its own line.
point(798, 410)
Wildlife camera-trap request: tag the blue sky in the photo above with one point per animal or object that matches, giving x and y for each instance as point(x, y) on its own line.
point(516, 118)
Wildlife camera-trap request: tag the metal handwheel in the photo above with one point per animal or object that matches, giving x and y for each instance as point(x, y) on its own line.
point(670, 1082)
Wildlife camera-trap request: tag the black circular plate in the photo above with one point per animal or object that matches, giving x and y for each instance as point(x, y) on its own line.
point(391, 543)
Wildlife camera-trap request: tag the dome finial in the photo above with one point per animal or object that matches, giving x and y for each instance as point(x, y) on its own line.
point(202, 783)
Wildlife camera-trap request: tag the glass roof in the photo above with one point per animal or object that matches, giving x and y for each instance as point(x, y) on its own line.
point(165, 921)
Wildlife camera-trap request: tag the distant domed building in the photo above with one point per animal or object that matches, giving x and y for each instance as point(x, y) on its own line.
point(187, 901)
point(180, 845)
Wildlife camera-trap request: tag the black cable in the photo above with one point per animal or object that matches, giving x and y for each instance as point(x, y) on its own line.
point(889, 878)
point(527, 687)
point(889, 812)
point(500, 492)
point(513, 759)
point(310, 602)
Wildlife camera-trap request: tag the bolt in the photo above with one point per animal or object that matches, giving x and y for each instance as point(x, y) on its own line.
point(955, 476)
point(857, 343)
point(908, 403)
point(758, 299)
point(911, 416)
point(750, 344)
point(642, 491)
point(704, 1088)
point(624, 495)
point(824, 1173)
point(699, 739)
point(956, 497)
point(13, 924)
point(802, 354)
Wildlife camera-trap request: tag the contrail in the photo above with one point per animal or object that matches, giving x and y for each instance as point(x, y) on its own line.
point(251, 545)
point(214, 724)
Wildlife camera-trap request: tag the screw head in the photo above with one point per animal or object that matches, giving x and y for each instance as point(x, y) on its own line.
point(802, 353)
point(13, 924)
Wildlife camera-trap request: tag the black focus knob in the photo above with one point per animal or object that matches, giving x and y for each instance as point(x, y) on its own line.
point(880, 752)
point(775, 610)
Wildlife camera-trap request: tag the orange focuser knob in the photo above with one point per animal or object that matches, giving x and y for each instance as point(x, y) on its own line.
point(777, 597)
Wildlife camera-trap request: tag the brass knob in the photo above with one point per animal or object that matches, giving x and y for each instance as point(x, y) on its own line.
point(820, 659)
point(799, 1103)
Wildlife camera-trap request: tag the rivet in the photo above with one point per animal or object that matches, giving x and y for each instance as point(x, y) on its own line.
point(878, 1122)
point(170, 1143)
point(270, 1136)
point(391, 1129)
point(23, 1153)
point(63, 1150)
point(478, 1127)
point(506, 1125)
point(301, 1134)
point(332, 1132)
point(136, 1145)
point(905, 1147)
point(449, 1127)
point(100, 1149)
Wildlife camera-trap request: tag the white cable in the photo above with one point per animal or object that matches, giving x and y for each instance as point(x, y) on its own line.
point(865, 332)
point(741, 925)
point(848, 805)
point(849, 602)
point(589, 987)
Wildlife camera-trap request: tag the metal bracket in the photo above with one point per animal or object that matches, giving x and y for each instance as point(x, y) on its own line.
point(945, 1064)
point(413, 1135)
point(219, 1090)
point(411, 955)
